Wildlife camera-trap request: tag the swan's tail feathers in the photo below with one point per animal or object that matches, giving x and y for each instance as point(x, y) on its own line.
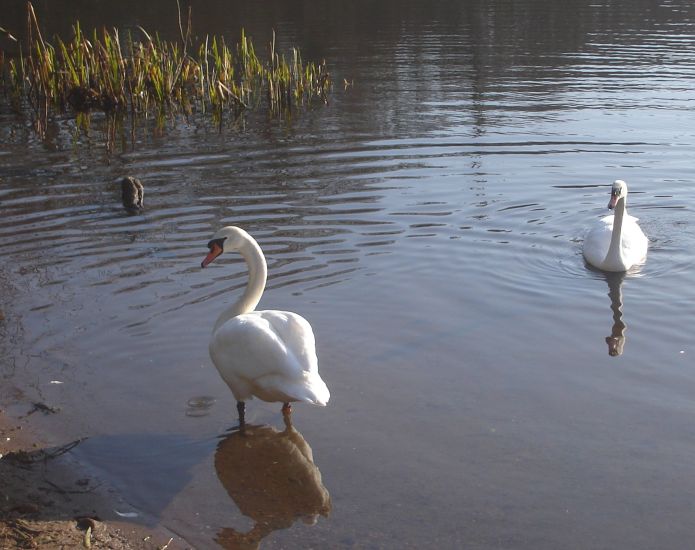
point(322, 398)
point(315, 390)
point(306, 389)
point(312, 389)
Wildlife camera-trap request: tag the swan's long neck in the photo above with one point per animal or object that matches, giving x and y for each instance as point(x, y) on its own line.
point(616, 341)
point(615, 293)
point(258, 273)
point(615, 249)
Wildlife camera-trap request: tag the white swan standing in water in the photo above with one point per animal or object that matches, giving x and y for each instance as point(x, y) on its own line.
point(267, 354)
point(616, 242)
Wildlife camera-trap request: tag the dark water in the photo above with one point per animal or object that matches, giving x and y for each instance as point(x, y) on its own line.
point(428, 223)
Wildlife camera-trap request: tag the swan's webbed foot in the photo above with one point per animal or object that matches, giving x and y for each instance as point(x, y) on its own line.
point(241, 409)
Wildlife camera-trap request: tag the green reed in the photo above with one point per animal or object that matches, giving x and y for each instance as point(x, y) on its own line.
point(116, 73)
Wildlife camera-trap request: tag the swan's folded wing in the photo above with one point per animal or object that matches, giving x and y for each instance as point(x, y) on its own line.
point(270, 354)
point(634, 241)
point(296, 333)
point(597, 240)
point(250, 346)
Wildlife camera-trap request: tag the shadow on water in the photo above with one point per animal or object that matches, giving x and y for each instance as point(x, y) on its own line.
point(269, 474)
point(272, 478)
point(149, 469)
point(46, 502)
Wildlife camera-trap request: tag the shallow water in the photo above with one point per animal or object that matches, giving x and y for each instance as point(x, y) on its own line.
point(428, 223)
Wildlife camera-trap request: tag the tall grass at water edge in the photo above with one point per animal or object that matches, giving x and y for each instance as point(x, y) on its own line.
point(118, 73)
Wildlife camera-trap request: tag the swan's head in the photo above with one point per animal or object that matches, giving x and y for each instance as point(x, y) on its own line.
point(618, 191)
point(227, 239)
point(615, 345)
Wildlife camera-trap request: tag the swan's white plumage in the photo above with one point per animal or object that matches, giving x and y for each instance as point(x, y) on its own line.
point(266, 354)
point(270, 355)
point(633, 243)
point(630, 247)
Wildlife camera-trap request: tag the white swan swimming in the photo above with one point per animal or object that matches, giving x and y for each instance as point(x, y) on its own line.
point(267, 354)
point(616, 242)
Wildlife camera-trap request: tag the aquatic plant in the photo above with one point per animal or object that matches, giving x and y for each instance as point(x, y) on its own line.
point(118, 73)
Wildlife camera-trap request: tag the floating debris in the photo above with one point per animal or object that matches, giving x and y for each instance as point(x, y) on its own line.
point(7, 34)
point(41, 407)
point(127, 514)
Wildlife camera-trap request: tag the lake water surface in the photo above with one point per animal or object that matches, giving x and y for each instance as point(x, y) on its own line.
point(428, 222)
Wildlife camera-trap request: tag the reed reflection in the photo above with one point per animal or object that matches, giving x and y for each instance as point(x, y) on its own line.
point(616, 340)
point(272, 478)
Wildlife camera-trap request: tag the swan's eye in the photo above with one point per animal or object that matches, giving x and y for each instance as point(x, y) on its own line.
point(218, 242)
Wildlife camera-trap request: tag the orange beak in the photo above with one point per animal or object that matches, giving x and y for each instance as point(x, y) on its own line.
point(613, 201)
point(215, 250)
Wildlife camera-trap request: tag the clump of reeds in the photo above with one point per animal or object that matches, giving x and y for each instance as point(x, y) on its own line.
point(117, 73)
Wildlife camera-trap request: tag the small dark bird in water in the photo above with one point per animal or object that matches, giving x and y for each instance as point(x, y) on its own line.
point(133, 193)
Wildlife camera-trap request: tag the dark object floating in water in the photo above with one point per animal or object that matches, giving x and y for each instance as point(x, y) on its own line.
point(132, 193)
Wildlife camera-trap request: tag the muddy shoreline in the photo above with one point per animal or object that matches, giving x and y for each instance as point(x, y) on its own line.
point(47, 500)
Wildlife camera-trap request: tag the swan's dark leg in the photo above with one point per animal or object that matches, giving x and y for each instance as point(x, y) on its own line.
point(241, 409)
point(287, 415)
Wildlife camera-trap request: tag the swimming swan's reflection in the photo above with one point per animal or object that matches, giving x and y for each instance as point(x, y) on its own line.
point(616, 341)
point(272, 478)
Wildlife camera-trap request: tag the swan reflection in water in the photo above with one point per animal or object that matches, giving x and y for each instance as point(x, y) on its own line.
point(272, 478)
point(616, 341)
